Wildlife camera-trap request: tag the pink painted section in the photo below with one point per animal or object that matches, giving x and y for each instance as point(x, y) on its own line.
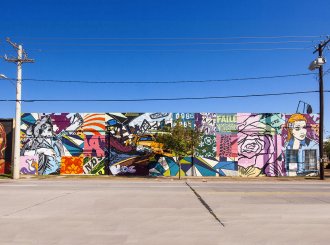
point(226, 145)
point(94, 145)
point(29, 165)
point(257, 145)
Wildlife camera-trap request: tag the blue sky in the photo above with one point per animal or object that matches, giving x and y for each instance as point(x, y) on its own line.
point(54, 34)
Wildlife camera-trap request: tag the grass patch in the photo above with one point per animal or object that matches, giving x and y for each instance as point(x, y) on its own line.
point(5, 176)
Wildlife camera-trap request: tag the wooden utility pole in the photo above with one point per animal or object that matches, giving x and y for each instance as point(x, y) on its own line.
point(320, 49)
point(21, 58)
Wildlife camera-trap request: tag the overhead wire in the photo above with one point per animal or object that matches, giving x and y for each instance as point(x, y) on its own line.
point(259, 41)
point(169, 50)
point(168, 44)
point(172, 38)
point(163, 99)
point(327, 72)
point(176, 50)
point(168, 82)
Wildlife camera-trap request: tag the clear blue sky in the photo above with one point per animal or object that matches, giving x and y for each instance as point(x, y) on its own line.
point(42, 25)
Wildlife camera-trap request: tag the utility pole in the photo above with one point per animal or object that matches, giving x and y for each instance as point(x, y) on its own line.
point(21, 58)
point(318, 63)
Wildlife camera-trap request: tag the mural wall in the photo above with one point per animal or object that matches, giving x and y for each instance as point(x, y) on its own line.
point(233, 144)
point(6, 137)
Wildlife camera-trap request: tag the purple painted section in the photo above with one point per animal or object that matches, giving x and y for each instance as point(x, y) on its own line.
point(60, 121)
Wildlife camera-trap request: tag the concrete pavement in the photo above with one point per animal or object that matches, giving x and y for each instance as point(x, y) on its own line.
point(151, 211)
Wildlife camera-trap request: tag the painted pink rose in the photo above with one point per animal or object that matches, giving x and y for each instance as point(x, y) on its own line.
point(259, 146)
point(255, 142)
point(254, 149)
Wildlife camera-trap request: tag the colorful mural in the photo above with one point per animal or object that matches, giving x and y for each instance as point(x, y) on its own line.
point(207, 146)
point(206, 122)
point(300, 137)
point(259, 147)
point(29, 165)
point(233, 144)
point(6, 136)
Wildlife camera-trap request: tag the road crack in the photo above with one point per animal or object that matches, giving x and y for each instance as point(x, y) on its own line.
point(37, 204)
point(204, 203)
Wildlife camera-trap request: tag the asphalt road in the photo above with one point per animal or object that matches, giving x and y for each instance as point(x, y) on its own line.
point(93, 211)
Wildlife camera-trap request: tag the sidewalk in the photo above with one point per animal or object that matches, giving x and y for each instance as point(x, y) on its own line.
point(159, 211)
point(152, 179)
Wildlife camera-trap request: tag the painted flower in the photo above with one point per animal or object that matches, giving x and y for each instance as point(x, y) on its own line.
point(251, 146)
point(255, 150)
point(255, 146)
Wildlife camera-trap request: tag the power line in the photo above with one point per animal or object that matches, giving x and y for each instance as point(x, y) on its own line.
point(168, 44)
point(326, 72)
point(169, 82)
point(172, 50)
point(171, 38)
point(164, 99)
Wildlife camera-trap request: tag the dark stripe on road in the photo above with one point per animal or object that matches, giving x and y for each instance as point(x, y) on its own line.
point(205, 205)
point(37, 204)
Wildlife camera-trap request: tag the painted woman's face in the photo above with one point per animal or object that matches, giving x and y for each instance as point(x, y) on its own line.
point(47, 130)
point(299, 130)
point(1, 141)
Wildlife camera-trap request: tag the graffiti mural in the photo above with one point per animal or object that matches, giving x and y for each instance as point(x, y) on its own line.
point(94, 165)
point(94, 145)
point(227, 123)
point(186, 119)
point(207, 147)
point(259, 147)
point(194, 166)
point(165, 166)
point(29, 165)
point(72, 165)
point(49, 137)
point(6, 135)
point(233, 144)
point(131, 141)
point(206, 122)
point(300, 136)
point(226, 145)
